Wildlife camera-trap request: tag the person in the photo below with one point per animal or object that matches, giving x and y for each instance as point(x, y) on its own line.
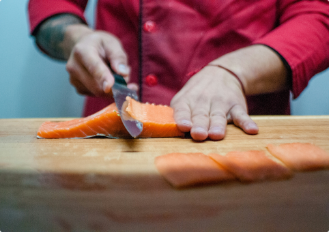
point(214, 62)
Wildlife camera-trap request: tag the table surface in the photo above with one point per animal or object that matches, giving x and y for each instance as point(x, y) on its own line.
point(102, 184)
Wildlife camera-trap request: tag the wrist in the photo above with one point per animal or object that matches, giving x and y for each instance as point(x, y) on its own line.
point(259, 69)
point(232, 73)
point(232, 64)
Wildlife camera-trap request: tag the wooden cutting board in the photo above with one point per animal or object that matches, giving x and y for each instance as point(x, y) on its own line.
point(112, 184)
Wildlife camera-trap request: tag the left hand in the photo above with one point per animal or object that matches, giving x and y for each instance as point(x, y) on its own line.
point(210, 99)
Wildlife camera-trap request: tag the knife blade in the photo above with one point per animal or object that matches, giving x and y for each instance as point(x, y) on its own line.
point(120, 92)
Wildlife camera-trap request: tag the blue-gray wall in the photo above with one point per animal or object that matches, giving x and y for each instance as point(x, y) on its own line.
point(32, 85)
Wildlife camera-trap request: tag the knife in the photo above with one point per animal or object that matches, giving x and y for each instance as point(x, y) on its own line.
point(120, 92)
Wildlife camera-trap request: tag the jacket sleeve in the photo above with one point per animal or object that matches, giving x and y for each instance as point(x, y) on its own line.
point(40, 10)
point(301, 38)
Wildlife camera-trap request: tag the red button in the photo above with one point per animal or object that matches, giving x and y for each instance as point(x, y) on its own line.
point(149, 26)
point(151, 80)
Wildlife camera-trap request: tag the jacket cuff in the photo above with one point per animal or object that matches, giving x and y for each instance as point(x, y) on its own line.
point(301, 47)
point(40, 10)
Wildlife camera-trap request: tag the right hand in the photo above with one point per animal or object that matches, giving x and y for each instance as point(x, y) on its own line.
point(90, 53)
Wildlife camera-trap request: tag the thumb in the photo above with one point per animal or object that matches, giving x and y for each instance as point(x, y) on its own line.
point(121, 68)
point(117, 57)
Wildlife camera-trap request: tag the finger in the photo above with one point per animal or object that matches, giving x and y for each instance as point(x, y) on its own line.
point(117, 57)
point(124, 71)
point(200, 119)
point(218, 121)
point(229, 118)
point(242, 120)
point(182, 116)
point(80, 88)
point(133, 86)
point(77, 71)
point(96, 67)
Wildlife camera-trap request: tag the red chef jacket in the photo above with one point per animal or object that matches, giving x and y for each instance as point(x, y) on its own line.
point(165, 40)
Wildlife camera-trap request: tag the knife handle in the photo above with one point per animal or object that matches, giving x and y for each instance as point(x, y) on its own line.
point(119, 79)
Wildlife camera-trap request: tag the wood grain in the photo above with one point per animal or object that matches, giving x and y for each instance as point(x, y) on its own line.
point(112, 184)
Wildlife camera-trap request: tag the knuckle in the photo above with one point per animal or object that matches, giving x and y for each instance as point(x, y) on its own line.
point(174, 101)
point(201, 114)
point(237, 109)
point(70, 67)
point(239, 117)
point(114, 40)
point(237, 121)
point(78, 51)
point(218, 114)
point(180, 110)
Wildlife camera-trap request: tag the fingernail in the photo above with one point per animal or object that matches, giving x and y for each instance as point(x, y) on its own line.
point(186, 123)
point(217, 130)
point(252, 125)
point(252, 128)
point(123, 68)
point(200, 130)
point(105, 86)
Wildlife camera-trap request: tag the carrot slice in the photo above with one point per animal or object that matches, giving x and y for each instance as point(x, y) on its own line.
point(158, 120)
point(300, 156)
point(249, 166)
point(186, 169)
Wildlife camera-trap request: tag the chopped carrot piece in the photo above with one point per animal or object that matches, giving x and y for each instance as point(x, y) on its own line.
point(186, 169)
point(249, 166)
point(300, 156)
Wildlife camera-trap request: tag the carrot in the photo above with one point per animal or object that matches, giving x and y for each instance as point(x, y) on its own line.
point(300, 156)
point(187, 169)
point(249, 166)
